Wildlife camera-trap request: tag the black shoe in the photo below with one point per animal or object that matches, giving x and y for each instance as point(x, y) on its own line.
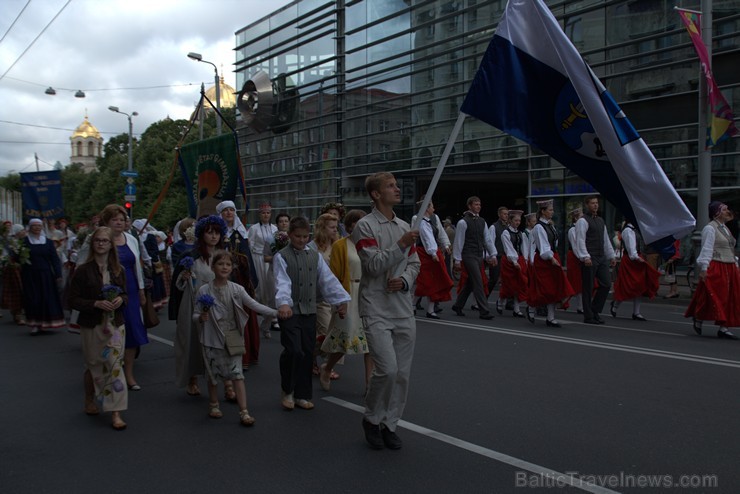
point(487, 317)
point(390, 438)
point(598, 319)
point(724, 333)
point(517, 314)
point(499, 308)
point(372, 435)
point(458, 311)
point(591, 321)
point(553, 324)
point(613, 310)
point(638, 317)
point(432, 315)
point(697, 326)
point(474, 307)
point(579, 311)
point(530, 315)
point(437, 309)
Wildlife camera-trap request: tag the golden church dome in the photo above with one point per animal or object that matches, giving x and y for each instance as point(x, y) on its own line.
point(228, 96)
point(85, 130)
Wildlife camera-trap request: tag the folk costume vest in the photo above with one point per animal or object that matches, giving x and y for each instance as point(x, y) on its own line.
point(595, 235)
point(724, 244)
point(474, 236)
point(301, 268)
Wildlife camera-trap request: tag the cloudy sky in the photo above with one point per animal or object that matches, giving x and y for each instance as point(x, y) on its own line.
point(107, 48)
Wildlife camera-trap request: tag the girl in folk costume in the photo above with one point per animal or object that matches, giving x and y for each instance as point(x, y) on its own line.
point(279, 240)
point(98, 291)
point(574, 265)
point(718, 294)
point(514, 278)
point(548, 284)
point(433, 281)
point(237, 243)
point(326, 232)
point(259, 234)
point(346, 335)
point(192, 272)
point(16, 253)
point(635, 278)
point(221, 316)
point(41, 279)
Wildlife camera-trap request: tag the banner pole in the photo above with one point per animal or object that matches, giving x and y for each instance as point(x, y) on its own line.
point(435, 179)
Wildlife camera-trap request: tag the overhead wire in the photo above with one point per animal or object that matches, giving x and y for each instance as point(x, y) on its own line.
point(35, 39)
point(15, 20)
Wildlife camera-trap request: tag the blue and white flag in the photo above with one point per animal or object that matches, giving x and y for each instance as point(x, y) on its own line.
point(533, 84)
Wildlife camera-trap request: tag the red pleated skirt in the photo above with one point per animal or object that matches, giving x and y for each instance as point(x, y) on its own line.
point(433, 280)
point(635, 279)
point(718, 298)
point(548, 283)
point(574, 272)
point(513, 281)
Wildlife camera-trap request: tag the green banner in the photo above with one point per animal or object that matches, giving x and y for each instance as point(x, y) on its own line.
point(210, 169)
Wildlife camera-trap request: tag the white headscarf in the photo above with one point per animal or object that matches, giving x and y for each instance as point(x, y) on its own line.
point(238, 226)
point(41, 239)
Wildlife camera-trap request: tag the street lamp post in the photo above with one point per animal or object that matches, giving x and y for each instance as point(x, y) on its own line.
point(130, 135)
point(199, 58)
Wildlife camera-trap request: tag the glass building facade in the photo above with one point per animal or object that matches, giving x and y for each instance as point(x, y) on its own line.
point(380, 84)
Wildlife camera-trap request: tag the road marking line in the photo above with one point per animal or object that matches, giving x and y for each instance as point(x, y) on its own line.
point(161, 340)
point(606, 346)
point(488, 453)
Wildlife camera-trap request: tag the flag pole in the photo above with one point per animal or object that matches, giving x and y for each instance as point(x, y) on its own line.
point(435, 179)
point(704, 158)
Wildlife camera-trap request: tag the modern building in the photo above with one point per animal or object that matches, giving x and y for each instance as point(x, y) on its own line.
point(86, 145)
point(380, 84)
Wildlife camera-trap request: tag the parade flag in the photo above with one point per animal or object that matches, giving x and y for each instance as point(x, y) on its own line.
point(211, 171)
point(533, 84)
point(722, 120)
point(41, 193)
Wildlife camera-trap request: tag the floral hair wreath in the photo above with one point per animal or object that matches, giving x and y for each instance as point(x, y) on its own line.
point(333, 205)
point(202, 224)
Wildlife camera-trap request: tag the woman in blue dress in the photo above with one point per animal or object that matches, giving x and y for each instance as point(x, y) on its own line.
point(114, 217)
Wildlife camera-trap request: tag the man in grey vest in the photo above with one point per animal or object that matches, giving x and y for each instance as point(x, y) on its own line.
point(473, 242)
point(594, 249)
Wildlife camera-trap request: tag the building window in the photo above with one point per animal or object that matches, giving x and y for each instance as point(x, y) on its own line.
point(384, 125)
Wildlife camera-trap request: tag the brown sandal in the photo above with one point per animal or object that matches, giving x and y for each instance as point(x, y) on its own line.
point(245, 419)
point(118, 423)
point(229, 393)
point(193, 389)
point(91, 408)
point(214, 411)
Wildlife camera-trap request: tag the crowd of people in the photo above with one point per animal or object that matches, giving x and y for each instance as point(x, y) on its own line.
point(349, 285)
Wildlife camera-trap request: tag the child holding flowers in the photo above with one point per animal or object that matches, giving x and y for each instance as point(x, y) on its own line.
point(220, 312)
point(97, 290)
point(192, 272)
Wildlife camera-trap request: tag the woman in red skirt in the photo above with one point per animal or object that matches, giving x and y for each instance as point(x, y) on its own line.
point(513, 264)
point(718, 294)
point(574, 265)
point(636, 278)
point(548, 284)
point(433, 281)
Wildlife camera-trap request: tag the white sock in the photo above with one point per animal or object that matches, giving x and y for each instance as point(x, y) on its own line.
point(430, 307)
point(550, 312)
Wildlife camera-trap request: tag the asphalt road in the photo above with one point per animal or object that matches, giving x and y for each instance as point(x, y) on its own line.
point(494, 407)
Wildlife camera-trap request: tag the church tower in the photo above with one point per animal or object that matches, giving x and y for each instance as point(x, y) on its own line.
point(87, 145)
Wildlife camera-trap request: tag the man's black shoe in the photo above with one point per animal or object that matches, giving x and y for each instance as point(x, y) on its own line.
point(591, 321)
point(390, 438)
point(458, 311)
point(372, 435)
point(487, 317)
